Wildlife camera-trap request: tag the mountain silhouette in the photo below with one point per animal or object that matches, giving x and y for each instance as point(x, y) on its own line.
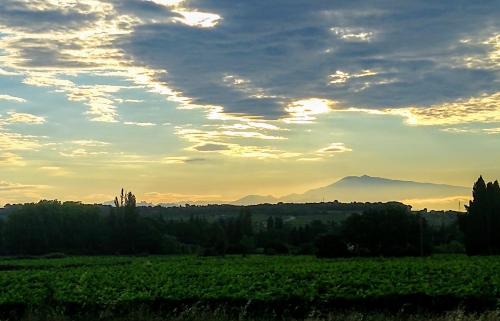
point(256, 199)
point(365, 189)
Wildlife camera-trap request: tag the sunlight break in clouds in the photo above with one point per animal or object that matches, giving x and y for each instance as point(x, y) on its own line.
point(168, 3)
point(353, 34)
point(484, 109)
point(198, 19)
point(341, 77)
point(305, 111)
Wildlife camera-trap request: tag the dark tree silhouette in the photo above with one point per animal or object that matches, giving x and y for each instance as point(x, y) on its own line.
point(481, 224)
point(388, 232)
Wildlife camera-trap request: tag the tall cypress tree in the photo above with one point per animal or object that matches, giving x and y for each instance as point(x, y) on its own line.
point(481, 224)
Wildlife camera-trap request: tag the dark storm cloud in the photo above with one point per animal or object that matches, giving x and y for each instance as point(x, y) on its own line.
point(143, 9)
point(16, 14)
point(287, 49)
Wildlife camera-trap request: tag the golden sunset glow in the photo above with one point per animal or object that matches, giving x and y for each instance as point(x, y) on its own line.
point(207, 101)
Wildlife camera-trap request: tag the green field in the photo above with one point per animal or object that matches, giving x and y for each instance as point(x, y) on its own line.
point(259, 283)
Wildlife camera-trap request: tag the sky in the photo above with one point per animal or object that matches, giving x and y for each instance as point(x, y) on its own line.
point(211, 100)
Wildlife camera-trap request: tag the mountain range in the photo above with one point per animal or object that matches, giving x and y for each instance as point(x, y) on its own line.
point(365, 189)
point(359, 189)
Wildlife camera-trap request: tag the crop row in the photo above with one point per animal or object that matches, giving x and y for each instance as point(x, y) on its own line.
point(270, 279)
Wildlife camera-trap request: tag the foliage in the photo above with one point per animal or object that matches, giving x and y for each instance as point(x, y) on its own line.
point(330, 246)
point(387, 232)
point(481, 224)
point(273, 281)
point(80, 229)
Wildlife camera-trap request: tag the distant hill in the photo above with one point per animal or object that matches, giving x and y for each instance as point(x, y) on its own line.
point(371, 189)
point(256, 199)
point(365, 189)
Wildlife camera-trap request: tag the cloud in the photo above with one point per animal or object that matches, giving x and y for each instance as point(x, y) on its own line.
point(334, 148)
point(255, 68)
point(341, 77)
point(161, 197)
point(251, 66)
point(198, 19)
point(11, 141)
point(133, 160)
point(54, 170)
point(18, 142)
point(243, 151)
point(306, 110)
point(180, 160)
point(89, 143)
point(11, 159)
point(211, 147)
point(139, 124)
point(233, 143)
point(290, 52)
point(4, 72)
point(199, 135)
point(12, 98)
point(52, 41)
point(482, 109)
point(8, 186)
point(23, 118)
point(492, 130)
point(81, 152)
point(49, 41)
point(11, 192)
point(99, 98)
point(460, 130)
point(353, 34)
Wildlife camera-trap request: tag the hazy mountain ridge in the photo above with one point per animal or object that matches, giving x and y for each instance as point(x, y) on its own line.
point(351, 189)
point(368, 189)
point(256, 199)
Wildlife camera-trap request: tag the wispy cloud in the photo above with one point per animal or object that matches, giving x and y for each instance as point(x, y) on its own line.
point(89, 143)
point(162, 197)
point(139, 124)
point(11, 159)
point(12, 98)
point(353, 34)
point(54, 170)
point(11, 192)
point(483, 109)
point(9, 186)
point(334, 148)
point(18, 142)
point(4, 72)
point(492, 130)
point(23, 118)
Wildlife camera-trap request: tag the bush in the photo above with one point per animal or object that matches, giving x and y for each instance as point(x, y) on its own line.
point(274, 248)
point(330, 246)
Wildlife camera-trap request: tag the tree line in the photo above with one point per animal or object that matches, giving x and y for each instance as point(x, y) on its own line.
point(80, 229)
point(384, 230)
